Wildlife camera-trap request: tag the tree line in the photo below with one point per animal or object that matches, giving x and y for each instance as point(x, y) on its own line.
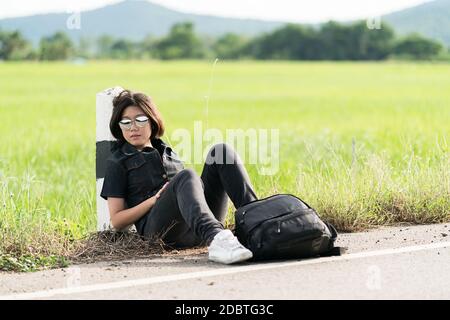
point(330, 41)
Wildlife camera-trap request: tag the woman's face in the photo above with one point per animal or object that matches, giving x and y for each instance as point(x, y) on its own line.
point(136, 135)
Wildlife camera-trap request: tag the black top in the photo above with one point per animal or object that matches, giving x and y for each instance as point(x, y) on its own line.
point(138, 175)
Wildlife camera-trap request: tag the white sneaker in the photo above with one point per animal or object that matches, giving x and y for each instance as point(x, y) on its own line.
point(225, 248)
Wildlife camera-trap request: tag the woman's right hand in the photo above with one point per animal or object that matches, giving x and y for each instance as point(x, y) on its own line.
point(121, 217)
point(158, 194)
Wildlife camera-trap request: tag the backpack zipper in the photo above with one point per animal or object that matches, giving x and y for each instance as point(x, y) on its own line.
point(297, 210)
point(259, 245)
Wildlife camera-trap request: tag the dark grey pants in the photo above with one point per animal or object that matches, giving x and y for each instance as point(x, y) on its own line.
point(192, 209)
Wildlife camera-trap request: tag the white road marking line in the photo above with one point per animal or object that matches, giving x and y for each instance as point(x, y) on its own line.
point(221, 271)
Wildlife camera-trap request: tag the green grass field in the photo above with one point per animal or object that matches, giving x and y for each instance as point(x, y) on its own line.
point(364, 143)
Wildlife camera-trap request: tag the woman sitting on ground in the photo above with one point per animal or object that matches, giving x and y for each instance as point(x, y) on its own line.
point(147, 185)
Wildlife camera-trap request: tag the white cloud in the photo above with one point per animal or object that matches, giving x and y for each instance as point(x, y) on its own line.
point(285, 10)
point(291, 10)
point(28, 7)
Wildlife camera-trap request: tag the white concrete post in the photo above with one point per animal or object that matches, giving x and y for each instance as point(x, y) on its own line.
point(104, 138)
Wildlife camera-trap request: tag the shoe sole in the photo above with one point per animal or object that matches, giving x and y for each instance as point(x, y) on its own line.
point(241, 258)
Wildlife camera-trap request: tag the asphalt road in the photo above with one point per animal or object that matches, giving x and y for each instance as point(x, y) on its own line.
point(408, 262)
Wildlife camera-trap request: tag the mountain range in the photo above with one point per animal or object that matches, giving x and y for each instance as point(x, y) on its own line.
point(135, 19)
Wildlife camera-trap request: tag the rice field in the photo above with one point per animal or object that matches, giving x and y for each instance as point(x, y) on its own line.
point(366, 144)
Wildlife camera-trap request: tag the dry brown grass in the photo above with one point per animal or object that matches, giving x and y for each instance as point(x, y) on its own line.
point(113, 245)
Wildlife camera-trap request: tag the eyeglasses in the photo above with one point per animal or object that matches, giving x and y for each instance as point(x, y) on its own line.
point(141, 121)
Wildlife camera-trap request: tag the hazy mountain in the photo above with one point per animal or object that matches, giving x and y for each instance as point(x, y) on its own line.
point(432, 19)
point(135, 19)
point(132, 19)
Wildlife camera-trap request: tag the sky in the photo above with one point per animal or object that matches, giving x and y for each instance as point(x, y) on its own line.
point(278, 10)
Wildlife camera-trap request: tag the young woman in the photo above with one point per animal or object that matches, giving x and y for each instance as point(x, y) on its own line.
point(147, 185)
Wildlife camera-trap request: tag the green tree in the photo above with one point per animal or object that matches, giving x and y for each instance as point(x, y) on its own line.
point(417, 47)
point(84, 48)
point(147, 47)
point(14, 47)
point(229, 46)
point(335, 41)
point(123, 49)
point(56, 47)
point(104, 44)
point(181, 43)
point(290, 42)
point(355, 41)
point(378, 43)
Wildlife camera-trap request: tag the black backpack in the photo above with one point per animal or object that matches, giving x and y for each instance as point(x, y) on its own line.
point(283, 226)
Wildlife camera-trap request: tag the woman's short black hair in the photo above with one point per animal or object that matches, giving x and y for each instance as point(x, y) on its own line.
point(128, 98)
